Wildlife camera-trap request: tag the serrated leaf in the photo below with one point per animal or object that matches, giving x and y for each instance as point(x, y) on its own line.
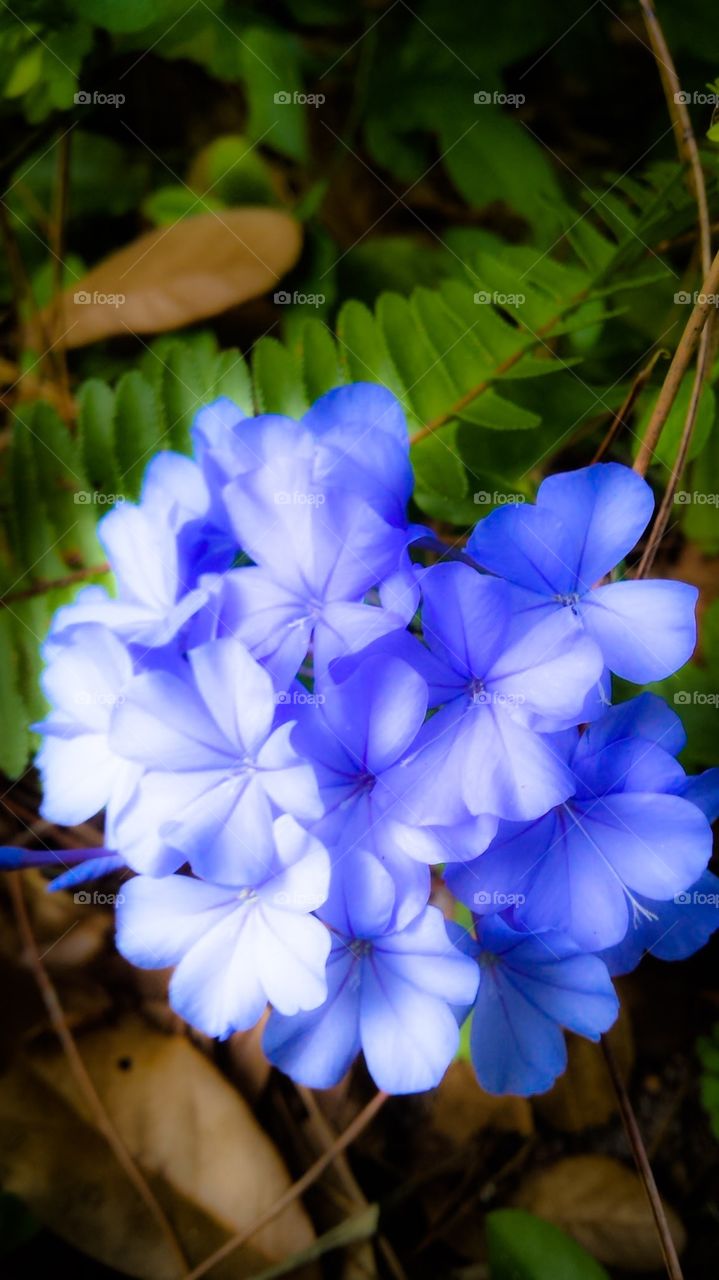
point(14, 739)
point(277, 380)
point(319, 360)
point(96, 414)
point(138, 427)
point(231, 378)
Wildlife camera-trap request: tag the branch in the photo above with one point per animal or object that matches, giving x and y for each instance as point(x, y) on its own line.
point(298, 1188)
point(644, 1168)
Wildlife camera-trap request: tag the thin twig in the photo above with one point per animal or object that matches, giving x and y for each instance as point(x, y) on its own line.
point(42, 585)
point(57, 247)
point(680, 363)
point(345, 1174)
point(77, 1066)
point(622, 414)
point(315, 1171)
point(689, 154)
point(634, 1137)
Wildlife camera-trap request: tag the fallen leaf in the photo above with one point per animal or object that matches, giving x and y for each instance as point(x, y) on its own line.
point(462, 1109)
point(212, 1167)
point(603, 1205)
point(585, 1096)
point(177, 275)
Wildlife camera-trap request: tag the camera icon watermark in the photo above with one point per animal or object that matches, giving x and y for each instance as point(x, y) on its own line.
point(695, 898)
point(297, 498)
point(495, 898)
point(685, 299)
point(483, 98)
point(485, 298)
point(284, 299)
point(95, 498)
point(82, 298)
point(483, 498)
point(83, 98)
point(299, 698)
point(698, 98)
point(685, 497)
point(695, 698)
point(286, 98)
point(94, 898)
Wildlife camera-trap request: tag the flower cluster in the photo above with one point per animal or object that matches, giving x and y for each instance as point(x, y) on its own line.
point(303, 739)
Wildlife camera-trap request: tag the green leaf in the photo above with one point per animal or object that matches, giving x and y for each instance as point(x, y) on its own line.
point(25, 73)
point(139, 429)
point(63, 485)
point(231, 171)
point(523, 1247)
point(127, 16)
point(96, 413)
point(270, 62)
point(277, 379)
point(319, 359)
point(15, 738)
point(232, 379)
point(172, 203)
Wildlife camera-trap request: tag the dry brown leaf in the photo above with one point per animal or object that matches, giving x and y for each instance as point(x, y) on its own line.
point(462, 1109)
point(174, 276)
point(603, 1205)
point(212, 1167)
point(585, 1096)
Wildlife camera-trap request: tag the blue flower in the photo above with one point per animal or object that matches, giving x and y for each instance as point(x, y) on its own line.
point(391, 995)
point(532, 986)
point(557, 552)
point(157, 550)
point(235, 948)
point(355, 438)
point(217, 771)
point(317, 553)
point(626, 834)
point(480, 753)
point(87, 672)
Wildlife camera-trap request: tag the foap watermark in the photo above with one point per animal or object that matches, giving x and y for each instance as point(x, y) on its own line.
point(695, 898)
point(285, 299)
point(299, 698)
point(297, 901)
point(495, 98)
point(298, 498)
point(482, 697)
point(485, 898)
point(685, 299)
point(85, 698)
point(83, 98)
point(485, 298)
point(695, 698)
point(685, 497)
point(700, 98)
point(84, 299)
point(288, 98)
point(483, 498)
point(95, 498)
point(94, 898)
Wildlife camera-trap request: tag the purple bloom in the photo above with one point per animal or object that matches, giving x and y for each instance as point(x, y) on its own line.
point(531, 986)
point(390, 995)
point(217, 770)
point(235, 949)
point(555, 553)
point(87, 674)
point(625, 834)
point(157, 551)
point(355, 438)
point(317, 556)
point(480, 754)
